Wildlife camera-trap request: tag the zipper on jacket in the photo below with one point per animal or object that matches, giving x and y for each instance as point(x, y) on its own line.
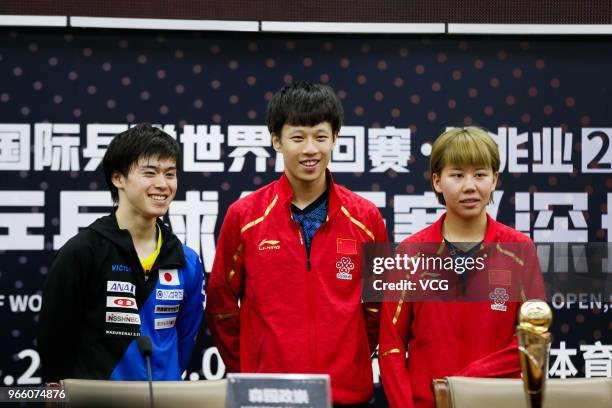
point(310, 295)
point(308, 252)
point(302, 239)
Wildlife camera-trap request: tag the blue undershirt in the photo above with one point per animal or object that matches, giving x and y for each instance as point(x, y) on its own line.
point(311, 218)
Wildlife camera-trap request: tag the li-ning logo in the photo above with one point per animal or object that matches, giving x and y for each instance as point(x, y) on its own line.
point(345, 266)
point(499, 297)
point(268, 244)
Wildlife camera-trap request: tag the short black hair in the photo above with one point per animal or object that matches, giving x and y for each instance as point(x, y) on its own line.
point(142, 141)
point(302, 103)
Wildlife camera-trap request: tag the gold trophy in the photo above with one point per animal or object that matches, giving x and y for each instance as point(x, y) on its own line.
point(535, 318)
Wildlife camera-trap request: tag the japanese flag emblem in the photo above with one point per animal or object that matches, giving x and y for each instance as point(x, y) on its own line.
point(169, 277)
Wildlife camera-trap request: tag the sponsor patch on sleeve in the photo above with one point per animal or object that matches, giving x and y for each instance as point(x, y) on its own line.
point(169, 294)
point(167, 308)
point(122, 318)
point(122, 302)
point(169, 277)
point(120, 286)
point(165, 323)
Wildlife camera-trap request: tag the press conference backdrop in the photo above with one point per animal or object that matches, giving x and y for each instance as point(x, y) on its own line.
point(65, 93)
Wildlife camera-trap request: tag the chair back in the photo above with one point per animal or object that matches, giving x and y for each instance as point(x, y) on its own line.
point(463, 392)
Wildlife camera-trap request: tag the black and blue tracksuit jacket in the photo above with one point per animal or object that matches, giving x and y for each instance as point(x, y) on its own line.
point(97, 302)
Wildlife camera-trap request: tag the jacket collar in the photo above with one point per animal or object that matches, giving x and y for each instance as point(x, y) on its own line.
point(490, 233)
point(170, 254)
point(285, 193)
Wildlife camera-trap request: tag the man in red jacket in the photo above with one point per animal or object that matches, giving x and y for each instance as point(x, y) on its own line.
point(476, 338)
point(285, 290)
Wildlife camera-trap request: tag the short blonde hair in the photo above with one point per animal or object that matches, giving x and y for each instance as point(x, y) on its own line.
point(470, 146)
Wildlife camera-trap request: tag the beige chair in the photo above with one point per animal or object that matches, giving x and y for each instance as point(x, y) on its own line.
point(135, 394)
point(463, 392)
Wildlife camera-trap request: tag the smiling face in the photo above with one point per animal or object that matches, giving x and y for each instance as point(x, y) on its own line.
point(466, 189)
point(306, 152)
point(149, 187)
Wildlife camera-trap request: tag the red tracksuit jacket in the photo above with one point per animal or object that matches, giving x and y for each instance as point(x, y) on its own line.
point(456, 338)
point(296, 315)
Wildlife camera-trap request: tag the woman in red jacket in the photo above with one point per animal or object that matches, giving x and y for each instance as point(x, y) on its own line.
point(421, 341)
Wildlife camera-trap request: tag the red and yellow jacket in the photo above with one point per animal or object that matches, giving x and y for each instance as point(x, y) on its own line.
point(457, 338)
point(296, 315)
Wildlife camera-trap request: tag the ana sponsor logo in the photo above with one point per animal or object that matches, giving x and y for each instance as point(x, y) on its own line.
point(120, 286)
point(169, 294)
point(116, 301)
point(169, 277)
point(499, 297)
point(167, 308)
point(165, 323)
point(123, 318)
point(345, 267)
point(268, 244)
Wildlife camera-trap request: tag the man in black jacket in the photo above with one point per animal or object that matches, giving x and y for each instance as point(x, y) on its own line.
point(124, 276)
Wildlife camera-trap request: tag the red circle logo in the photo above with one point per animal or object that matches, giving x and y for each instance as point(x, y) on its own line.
point(167, 277)
point(124, 302)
